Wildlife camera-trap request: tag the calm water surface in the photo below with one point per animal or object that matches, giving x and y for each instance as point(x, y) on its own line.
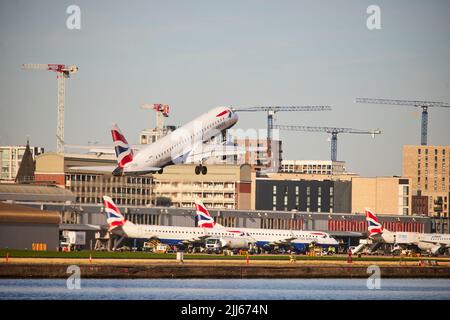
point(234, 289)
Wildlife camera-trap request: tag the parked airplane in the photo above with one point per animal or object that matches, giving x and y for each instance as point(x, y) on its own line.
point(184, 145)
point(171, 235)
point(432, 242)
point(265, 238)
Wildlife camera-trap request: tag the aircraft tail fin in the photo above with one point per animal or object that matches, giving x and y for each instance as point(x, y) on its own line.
point(113, 216)
point(374, 226)
point(204, 218)
point(123, 150)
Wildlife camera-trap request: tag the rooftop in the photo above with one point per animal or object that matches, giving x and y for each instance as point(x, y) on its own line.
point(31, 192)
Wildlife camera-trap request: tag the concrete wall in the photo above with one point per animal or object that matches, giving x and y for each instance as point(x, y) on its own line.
point(381, 194)
point(29, 234)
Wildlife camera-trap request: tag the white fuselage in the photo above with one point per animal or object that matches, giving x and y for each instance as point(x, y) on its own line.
point(174, 147)
point(170, 234)
point(263, 237)
point(424, 241)
point(260, 237)
point(435, 238)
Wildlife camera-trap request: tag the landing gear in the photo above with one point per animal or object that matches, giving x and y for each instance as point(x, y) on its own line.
point(160, 171)
point(201, 169)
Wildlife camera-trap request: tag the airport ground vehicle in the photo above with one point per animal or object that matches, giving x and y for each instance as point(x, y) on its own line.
point(72, 240)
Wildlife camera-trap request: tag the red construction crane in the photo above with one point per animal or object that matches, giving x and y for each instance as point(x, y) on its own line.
point(162, 111)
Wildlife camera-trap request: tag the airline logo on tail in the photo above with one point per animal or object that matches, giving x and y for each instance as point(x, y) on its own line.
point(204, 218)
point(124, 153)
point(373, 225)
point(113, 216)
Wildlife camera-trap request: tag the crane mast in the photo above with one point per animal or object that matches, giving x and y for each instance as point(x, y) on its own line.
point(62, 72)
point(413, 103)
point(271, 111)
point(334, 131)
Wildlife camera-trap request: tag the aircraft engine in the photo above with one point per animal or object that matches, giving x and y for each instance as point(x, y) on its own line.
point(425, 246)
point(234, 243)
point(437, 250)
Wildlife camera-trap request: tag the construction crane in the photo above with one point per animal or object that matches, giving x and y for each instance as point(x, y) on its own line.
point(62, 72)
point(332, 130)
point(414, 103)
point(162, 111)
point(271, 110)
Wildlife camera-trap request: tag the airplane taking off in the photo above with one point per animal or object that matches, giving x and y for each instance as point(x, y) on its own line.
point(170, 235)
point(184, 145)
point(267, 238)
point(432, 242)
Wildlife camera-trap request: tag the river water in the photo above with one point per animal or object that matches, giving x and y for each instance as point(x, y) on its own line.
point(234, 289)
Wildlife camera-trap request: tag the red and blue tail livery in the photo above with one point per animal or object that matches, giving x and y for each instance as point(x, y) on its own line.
point(204, 218)
point(124, 153)
point(373, 224)
point(113, 216)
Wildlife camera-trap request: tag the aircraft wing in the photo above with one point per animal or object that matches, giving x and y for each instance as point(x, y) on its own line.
point(442, 244)
point(100, 150)
point(205, 151)
point(200, 238)
point(283, 241)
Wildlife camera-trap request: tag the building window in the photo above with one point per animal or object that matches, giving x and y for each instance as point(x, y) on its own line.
point(308, 191)
point(405, 190)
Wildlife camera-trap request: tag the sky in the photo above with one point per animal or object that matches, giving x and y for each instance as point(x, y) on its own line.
point(196, 55)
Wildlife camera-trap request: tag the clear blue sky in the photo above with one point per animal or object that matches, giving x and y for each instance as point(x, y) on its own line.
point(195, 55)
